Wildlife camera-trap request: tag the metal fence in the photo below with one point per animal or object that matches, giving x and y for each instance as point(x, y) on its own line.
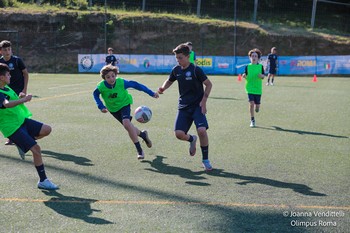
point(53, 43)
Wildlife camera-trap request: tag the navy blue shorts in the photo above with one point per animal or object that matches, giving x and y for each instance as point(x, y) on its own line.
point(123, 113)
point(185, 118)
point(272, 70)
point(255, 98)
point(24, 137)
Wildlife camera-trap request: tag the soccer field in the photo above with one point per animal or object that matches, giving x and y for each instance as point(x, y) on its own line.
point(289, 174)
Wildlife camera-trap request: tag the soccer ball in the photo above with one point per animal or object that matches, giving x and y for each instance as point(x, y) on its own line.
point(143, 114)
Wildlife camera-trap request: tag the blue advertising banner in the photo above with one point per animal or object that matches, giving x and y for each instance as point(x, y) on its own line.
point(229, 65)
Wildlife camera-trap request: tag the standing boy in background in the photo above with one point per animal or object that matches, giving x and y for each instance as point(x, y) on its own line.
point(254, 74)
point(117, 101)
point(192, 53)
point(272, 66)
point(192, 102)
point(111, 59)
point(15, 124)
point(18, 71)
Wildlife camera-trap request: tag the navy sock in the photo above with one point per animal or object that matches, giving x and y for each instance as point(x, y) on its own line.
point(41, 172)
point(190, 139)
point(138, 147)
point(142, 135)
point(252, 118)
point(205, 152)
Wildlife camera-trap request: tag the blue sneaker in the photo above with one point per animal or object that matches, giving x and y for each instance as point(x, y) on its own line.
point(206, 164)
point(47, 184)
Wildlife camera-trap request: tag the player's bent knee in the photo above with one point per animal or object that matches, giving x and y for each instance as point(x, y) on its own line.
point(180, 135)
point(45, 130)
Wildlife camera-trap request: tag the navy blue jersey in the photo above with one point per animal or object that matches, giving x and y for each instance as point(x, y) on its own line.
point(190, 81)
point(16, 66)
point(272, 58)
point(111, 59)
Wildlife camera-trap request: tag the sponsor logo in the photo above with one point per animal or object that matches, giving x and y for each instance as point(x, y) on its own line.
point(87, 62)
point(206, 62)
point(223, 65)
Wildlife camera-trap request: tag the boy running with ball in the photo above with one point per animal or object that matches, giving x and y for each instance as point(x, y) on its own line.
point(192, 102)
point(117, 101)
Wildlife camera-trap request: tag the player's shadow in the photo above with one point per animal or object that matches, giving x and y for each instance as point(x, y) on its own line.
point(159, 166)
point(299, 188)
point(302, 132)
point(73, 207)
point(68, 157)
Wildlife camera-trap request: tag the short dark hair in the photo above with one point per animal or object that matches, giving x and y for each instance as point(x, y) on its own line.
point(182, 48)
point(5, 44)
point(4, 68)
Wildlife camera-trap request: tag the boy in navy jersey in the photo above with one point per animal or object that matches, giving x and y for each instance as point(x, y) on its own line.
point(192, 101)
point(272, 64)
point(111, 59)
point(18, 71)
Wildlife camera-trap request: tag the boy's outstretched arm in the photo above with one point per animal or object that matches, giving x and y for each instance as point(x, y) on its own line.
point(165, 86)
point(10, 104)
point(140, 87)
point(98, 101)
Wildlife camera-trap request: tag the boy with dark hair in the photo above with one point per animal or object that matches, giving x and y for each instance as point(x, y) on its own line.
point(18, 71)
point(111, 59)
point(272, 65)
point(192, 102)
point(254, 74)
point(15, 124)
point(117, 101)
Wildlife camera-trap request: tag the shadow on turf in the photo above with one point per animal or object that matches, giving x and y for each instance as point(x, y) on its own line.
point(277, 128)
point(227, 218)
point(73, 207)
point(159, 166)
point(299, 188)
point(223, 98)
point(68, 157)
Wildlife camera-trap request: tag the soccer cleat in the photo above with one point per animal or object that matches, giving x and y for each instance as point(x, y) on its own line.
point(192, 149)
point(206, 164)
point(252, 124)
point(21, 152)
point(47, 184)
point(267, 83)
point(147, 140)
point(271, 84)
point(141, 156)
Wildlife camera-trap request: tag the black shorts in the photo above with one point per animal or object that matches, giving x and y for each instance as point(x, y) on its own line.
point(123, 113)
point(255, 98)
point(24, 137)
point(272, 70)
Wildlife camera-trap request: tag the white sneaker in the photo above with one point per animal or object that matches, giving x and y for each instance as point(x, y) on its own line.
point(267, 83)
point(47, 184)
point(271, 84)
point(252, 124)
point(192, 149)
point(141, 156)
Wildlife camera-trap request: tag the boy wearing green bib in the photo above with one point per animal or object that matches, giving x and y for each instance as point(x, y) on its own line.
point(117, 101)
point(15, 124)
point(254, 74)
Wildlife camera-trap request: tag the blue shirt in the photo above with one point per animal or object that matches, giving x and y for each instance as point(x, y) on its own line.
point(272, 58)
point(190, 81)
point(16, 66)
point(111, 59)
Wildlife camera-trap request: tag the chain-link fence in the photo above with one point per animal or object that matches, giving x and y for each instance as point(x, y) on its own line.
point(51, 42)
